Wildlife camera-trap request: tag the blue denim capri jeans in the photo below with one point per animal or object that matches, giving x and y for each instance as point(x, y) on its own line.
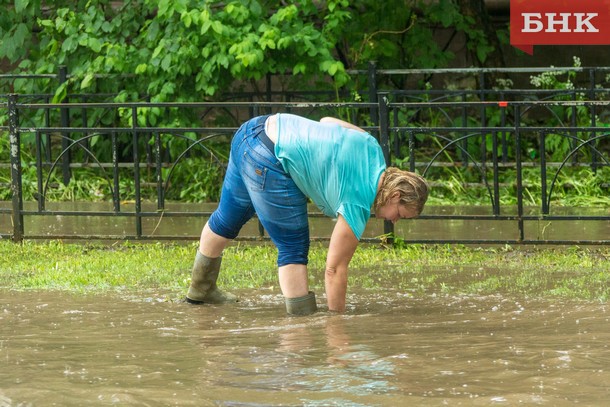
point(256, 182)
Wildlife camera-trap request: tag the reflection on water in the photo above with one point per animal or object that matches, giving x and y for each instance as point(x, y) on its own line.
point(189, 227)
point(65, 349)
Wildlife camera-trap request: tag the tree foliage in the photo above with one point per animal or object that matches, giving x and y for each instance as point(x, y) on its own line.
point(190, 50)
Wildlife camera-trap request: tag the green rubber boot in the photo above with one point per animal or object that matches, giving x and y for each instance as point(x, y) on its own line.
point(305, 305)
point(203, 287)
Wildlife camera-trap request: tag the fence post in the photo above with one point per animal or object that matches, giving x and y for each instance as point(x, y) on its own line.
point(384, 141)
point(482, 98)
point(543, 183)
point(593, 113)
point(65, 137)
point(16, 185)
point(136, 171)
point(496, 177)
point(519, 173)
point(372, 79)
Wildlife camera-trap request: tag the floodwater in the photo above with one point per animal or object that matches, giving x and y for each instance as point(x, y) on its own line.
point(387, 350)
point(420, 229)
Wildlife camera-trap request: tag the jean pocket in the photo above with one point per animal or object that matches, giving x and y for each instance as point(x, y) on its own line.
point(253, 172)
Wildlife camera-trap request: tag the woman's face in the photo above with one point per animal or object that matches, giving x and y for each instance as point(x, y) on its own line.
point(393, 211)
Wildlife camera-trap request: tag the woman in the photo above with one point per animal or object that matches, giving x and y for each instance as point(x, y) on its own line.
point(276, 163)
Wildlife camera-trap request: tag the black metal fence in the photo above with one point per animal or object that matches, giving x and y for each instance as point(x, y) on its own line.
point(485, 138)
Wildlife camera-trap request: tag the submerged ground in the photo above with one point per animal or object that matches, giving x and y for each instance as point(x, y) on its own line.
point(388, 349)
point(86, 324)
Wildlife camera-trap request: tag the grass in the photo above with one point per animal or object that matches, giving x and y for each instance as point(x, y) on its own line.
point(418, 270)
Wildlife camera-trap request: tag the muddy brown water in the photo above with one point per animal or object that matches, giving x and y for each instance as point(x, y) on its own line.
point(393, 349)
point(425, 229)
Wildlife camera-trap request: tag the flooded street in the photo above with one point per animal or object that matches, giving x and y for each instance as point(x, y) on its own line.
point(393, 350)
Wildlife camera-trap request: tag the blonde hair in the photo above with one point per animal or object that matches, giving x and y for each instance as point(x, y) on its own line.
point(412, 189)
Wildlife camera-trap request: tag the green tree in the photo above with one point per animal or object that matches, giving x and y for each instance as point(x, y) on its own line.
point(194, 50)
point(184, 50)
point(178, 50)
point(400, 34)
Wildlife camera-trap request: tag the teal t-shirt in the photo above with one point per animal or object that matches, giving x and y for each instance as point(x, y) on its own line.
point(336, 167)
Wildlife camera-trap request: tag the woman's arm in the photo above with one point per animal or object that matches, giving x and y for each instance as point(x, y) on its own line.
point(342, 246)
point(341, 123)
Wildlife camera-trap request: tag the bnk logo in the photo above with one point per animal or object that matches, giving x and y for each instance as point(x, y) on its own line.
point(533, 23)
point(559, 22)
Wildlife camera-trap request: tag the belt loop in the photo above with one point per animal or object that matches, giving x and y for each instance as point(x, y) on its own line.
point(262, 134)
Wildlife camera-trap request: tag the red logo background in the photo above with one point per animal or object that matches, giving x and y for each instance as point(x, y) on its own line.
point(525, 41)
